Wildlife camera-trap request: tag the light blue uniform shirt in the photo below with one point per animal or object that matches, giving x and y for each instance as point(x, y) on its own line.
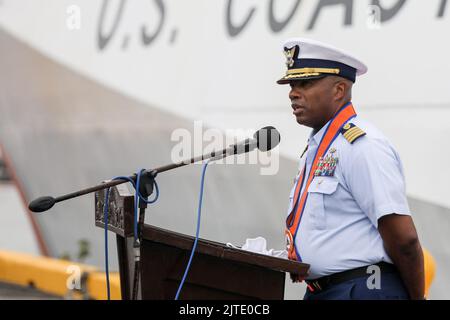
point(338, 229)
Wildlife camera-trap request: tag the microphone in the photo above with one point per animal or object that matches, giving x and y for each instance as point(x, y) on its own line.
point(264, 139)
point(42, 204)
point(267, 138)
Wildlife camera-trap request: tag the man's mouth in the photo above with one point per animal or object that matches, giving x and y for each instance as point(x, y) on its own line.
point(298, 109)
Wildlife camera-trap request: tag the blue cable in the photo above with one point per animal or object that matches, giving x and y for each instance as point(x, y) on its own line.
point(139, 196)
point(197, 232)
point(136, 204)
point(105, 213)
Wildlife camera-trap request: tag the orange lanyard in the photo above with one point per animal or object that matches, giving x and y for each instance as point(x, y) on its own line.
point(294, 218)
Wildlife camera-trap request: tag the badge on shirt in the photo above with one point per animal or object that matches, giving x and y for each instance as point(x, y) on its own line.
point(327, 164)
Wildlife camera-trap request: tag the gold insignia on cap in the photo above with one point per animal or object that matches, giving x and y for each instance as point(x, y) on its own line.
point(289, 53)
point(352, 132)
point(314, 70)
point(300, 75)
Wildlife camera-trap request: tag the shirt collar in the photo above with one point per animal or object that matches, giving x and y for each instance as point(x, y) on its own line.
point(316, 136)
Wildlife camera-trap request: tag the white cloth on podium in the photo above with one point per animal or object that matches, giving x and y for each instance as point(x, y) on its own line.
point(259, 245)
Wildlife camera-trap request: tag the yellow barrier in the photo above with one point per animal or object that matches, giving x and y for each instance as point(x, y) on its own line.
point(96, 285)
point(54, 276)
point(430, 269)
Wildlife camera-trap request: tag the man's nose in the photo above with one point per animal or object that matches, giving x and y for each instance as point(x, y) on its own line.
point(294, 93)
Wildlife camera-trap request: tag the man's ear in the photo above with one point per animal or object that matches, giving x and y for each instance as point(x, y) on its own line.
point(340, 89)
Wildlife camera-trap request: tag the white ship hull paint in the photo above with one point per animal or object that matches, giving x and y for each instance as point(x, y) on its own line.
point(228, 82)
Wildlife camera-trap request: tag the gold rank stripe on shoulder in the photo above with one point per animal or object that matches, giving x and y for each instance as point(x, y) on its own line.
point(352, 132)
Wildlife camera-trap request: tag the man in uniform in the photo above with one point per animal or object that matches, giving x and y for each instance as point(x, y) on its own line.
point(348, 215)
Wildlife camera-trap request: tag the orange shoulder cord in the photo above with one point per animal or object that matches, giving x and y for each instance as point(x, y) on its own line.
point(293, 220)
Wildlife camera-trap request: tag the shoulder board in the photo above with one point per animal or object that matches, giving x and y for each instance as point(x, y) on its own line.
point(352, 132)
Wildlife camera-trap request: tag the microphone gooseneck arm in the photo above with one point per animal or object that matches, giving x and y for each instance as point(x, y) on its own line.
point(42, 204)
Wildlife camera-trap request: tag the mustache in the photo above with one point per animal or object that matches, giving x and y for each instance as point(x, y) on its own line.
point(295, 104)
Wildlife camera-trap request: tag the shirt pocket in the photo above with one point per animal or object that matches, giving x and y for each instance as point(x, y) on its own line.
point(319, 189)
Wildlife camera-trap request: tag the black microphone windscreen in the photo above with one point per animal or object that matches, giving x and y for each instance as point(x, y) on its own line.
point(41, 204)
point(267, 138)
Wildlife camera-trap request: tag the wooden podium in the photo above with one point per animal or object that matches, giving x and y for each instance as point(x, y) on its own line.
point(217, 271)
